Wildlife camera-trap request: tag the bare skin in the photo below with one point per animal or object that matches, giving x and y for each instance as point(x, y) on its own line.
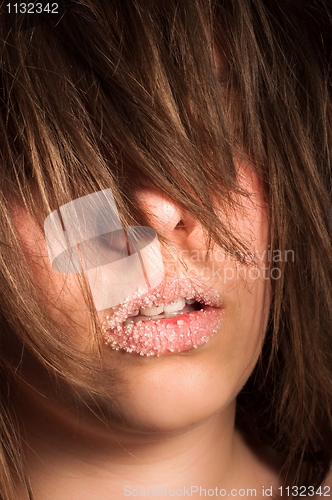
point(69, 459)
point(177, 410)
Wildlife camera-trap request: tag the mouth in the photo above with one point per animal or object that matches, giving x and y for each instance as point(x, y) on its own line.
point(164, 311)
point(172, 319)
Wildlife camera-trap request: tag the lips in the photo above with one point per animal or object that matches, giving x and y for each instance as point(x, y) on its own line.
point(172, 318)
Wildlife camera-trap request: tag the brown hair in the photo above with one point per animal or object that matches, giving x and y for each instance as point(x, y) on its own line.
point(120, 93)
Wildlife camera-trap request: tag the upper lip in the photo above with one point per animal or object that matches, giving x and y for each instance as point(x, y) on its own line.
point(165, 293)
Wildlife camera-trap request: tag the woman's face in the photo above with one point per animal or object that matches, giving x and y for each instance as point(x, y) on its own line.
point(214, 349)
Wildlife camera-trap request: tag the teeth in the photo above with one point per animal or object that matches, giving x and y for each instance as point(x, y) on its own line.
point(175, 306)
point(160, 312)
point(151, 311)
point(167, 309)
point(190, 301)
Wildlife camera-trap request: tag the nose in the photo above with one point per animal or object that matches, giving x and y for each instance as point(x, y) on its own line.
point(172, 222)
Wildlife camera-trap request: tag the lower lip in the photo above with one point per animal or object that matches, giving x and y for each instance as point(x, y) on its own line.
point(165, 336)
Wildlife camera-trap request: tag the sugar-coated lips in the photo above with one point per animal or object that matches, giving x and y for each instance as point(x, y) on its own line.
point(172, 318)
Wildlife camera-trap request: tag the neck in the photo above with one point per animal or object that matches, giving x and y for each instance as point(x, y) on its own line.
point(70, 453)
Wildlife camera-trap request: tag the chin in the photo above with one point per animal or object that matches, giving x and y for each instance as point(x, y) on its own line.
point(176, 392)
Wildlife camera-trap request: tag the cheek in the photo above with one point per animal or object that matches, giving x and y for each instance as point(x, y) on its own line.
point(252, 290)
point(247, 286)
point(250, 221)
point(59, 294)
point(247, 312)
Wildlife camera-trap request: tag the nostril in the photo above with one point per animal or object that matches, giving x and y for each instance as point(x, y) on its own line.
point(180, 224)
point(164, 215)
